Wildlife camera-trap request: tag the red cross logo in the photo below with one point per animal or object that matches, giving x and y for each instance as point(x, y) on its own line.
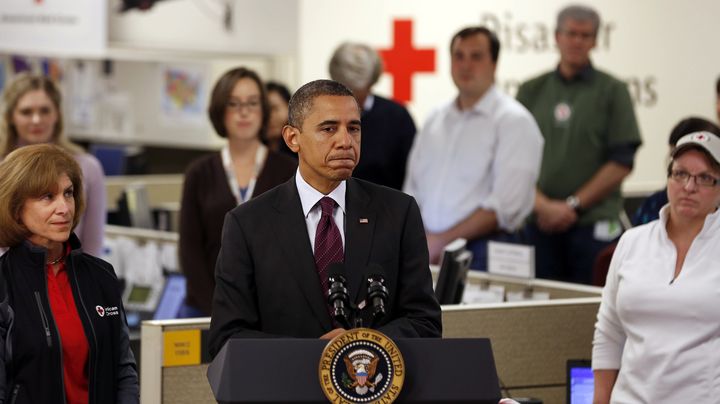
point(403, 60)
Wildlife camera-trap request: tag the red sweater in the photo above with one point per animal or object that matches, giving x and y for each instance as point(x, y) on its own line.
point(75, 346)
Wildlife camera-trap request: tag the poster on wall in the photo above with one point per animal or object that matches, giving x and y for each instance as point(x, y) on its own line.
point(183, 94)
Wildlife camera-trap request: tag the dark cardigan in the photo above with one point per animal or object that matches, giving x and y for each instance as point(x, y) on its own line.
point(205, 201)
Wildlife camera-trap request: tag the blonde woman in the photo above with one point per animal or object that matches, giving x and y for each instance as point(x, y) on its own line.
point(33, 115)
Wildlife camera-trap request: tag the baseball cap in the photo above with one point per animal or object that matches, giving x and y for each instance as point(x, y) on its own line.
point(704, 140)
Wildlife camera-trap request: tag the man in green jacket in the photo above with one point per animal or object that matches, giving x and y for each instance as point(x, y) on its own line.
point(591, 135)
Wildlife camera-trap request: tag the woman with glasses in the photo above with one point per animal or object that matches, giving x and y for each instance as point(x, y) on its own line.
point(650, 209)
point(217, 183)
point(657, 336)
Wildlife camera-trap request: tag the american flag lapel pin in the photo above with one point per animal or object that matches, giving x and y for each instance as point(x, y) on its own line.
point(363, 220)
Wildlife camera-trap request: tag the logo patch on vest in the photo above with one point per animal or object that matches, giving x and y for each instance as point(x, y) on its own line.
point(562, 112)
point(107, 311)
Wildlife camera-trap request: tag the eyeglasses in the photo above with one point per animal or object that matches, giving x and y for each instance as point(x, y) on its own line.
point(238, 106)
point(703, 180)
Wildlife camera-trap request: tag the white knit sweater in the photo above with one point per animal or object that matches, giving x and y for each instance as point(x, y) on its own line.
point(662, 334)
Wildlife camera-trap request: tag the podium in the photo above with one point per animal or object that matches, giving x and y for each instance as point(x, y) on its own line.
point(453, 370)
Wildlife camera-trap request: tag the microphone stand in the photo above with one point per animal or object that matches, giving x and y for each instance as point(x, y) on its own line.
point(338, 298)
point(378, 295)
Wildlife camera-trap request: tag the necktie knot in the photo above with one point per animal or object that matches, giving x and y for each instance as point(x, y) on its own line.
point(327, 205)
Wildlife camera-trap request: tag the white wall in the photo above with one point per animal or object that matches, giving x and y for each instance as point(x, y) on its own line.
point(261, 27)
point(53, 27)
point(665, 48)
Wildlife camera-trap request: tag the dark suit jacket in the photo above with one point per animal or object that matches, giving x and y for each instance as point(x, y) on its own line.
point(387, 136)
point(267, 284)
point(205, 201)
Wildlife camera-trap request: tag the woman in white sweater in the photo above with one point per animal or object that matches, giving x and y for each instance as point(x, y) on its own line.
point(657, 337)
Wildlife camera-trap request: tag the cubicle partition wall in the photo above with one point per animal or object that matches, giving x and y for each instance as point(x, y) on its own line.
point(174, 362)
point(531, 341)
point(162, 188)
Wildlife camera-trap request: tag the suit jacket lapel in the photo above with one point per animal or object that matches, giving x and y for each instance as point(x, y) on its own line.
point(294, 240)
point(359, 229)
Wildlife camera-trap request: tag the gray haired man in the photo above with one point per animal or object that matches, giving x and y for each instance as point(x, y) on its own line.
point(388, 129)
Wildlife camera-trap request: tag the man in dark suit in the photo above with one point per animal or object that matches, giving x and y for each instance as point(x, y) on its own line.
point(267, 279)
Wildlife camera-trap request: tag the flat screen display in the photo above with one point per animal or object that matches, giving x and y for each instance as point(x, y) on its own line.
point(172, 297)
point(453, 272)
point(139, 294)
point(580, 382)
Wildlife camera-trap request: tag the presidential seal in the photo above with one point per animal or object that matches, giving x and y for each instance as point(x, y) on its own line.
point(361, 366)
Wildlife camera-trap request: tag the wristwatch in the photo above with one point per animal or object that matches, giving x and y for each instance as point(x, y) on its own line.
point(573, 202)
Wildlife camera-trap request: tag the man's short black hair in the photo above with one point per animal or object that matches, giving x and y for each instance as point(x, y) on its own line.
point(717, 86)
point(302, 101)
point(471, 31)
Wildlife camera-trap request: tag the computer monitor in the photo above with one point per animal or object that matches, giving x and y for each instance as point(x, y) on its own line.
point(139, 297)
point(112, 158)
point(172, 297)
point(580, 381)
point(453, 272)
point(140, 301)
point(139, 294)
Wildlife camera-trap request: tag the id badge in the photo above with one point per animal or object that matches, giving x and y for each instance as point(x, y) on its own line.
point(607, 230)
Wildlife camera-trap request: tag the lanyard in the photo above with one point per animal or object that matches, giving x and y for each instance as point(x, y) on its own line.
point(260, 155)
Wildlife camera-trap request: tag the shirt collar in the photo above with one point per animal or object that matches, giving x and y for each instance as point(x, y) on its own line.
point(61, 267)
point(585, 74)
point(710, 226)
point(483, 106)
point(369, 102)
point(309, 196)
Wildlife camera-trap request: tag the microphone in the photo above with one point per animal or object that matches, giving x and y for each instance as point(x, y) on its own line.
point(338, 297)
point(377, 291)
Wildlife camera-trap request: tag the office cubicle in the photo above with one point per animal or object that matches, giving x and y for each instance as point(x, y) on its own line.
point(531, 342)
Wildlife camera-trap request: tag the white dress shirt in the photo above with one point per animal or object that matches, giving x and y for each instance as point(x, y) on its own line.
point(309, 198)
point(485, 157)
point(662, 334)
